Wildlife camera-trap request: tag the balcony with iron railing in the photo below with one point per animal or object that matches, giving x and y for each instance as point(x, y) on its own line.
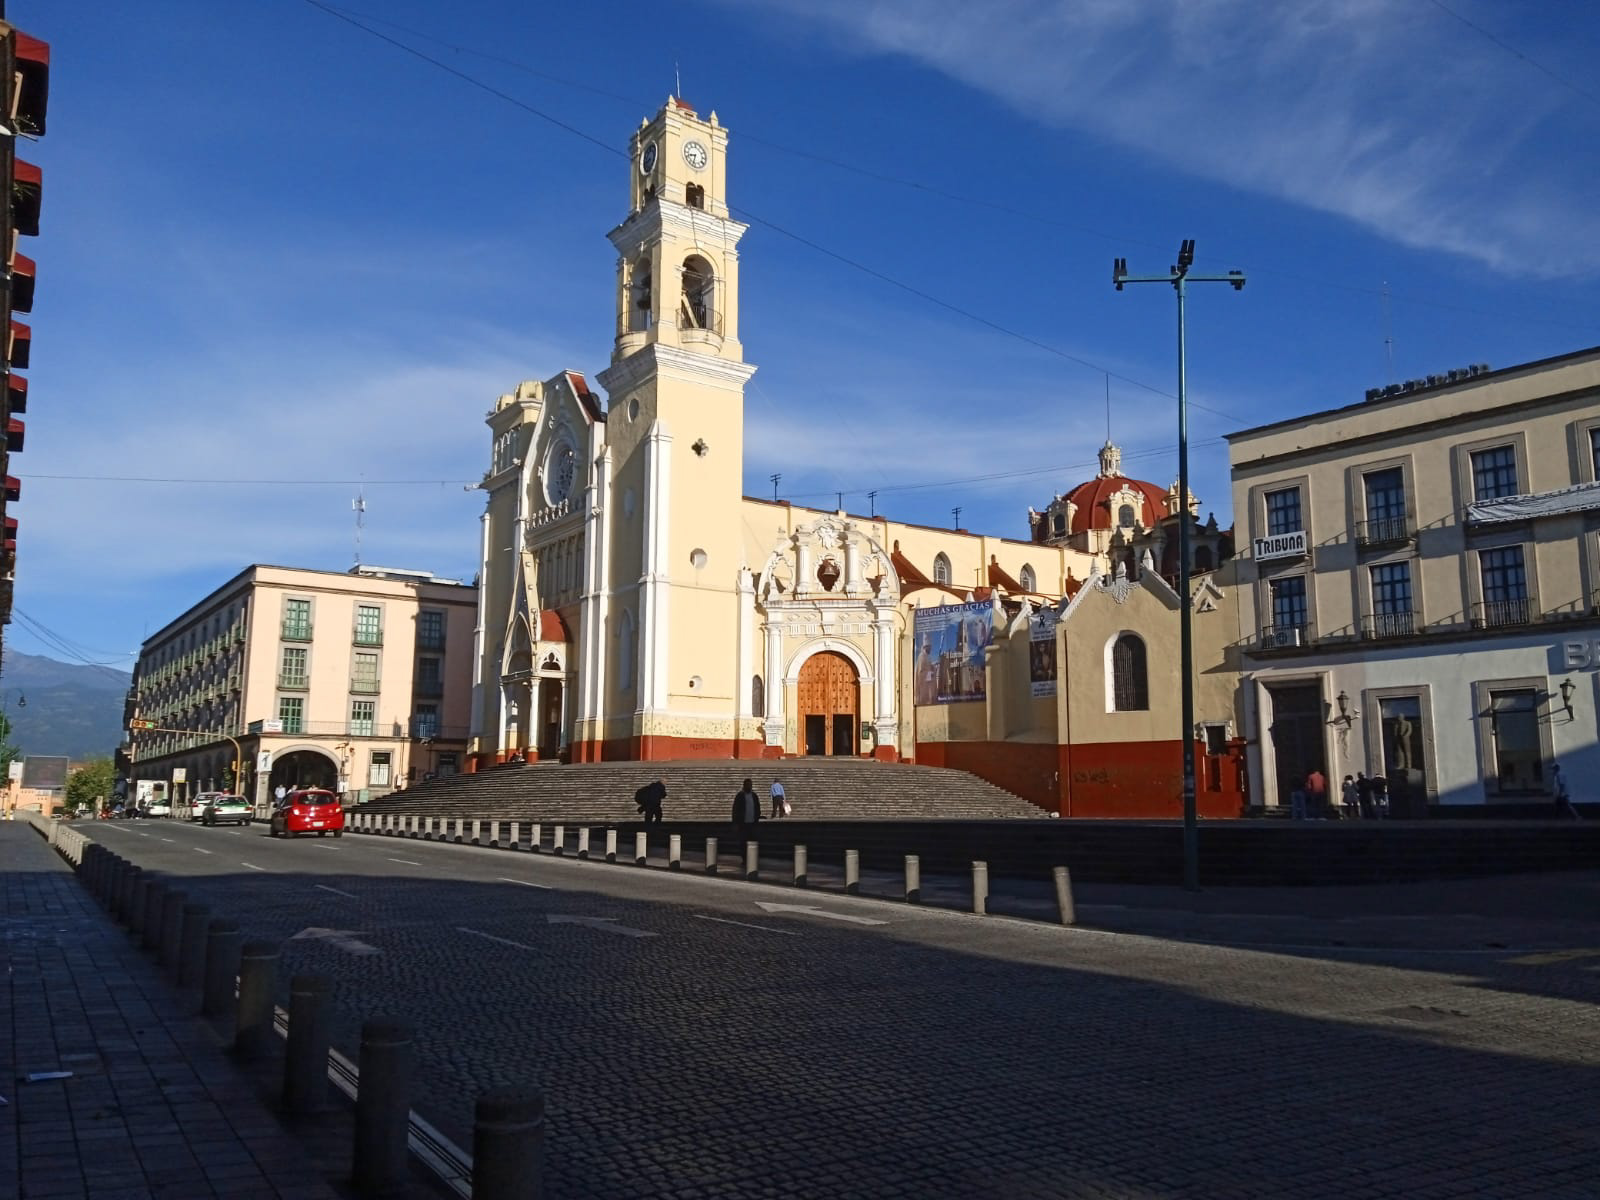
point(1503, 614)
point(293, 682)
point(1389, 625)
point(1383, 531)
point(429, 687)
point(430, 641)
point(297, 631)
point(1284, 637)
point(429, 729)
point(366, 637)
point(364, 687)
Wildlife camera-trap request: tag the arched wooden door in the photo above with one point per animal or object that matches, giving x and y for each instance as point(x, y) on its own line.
point(828, 700)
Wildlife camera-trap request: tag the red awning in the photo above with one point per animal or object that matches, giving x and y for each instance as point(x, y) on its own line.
point(33, 65)
point(23, 272)
point(31, 49)
point(17, 393)
point(20, 349)
point(26, 195)
point(11, 533)
point(14, 435)
point(13, 488)
point(26, 172)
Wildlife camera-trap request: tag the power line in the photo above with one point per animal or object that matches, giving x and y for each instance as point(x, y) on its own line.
point(1514, 52)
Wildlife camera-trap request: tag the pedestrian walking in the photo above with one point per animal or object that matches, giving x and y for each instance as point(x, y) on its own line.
point(280, 792)
point(1316, 793)
point(780, 802)
point(1350, 798)
point(648, 800)
point(1558, 785)
point(746, 809)
point(1297, 804)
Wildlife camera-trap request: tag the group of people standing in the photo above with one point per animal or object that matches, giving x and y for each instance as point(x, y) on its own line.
point(747, 809)
point(1359, 797)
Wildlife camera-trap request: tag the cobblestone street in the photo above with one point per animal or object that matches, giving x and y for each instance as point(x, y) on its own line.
point(692, 1042)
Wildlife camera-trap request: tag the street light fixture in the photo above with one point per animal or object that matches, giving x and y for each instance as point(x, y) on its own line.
point(1179, 277)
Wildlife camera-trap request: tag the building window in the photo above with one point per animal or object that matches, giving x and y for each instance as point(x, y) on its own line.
point(1058, 523)
point(1594, 451)
point(1391, 600)
point(362, 714)
point(1029, 581)
point(1505, 586)
point(369, 625)
point(1203, 559)
point(1288, 603)
point(425, 724)
point(625, 651)
point(1514, 732)
point(292, 670)
point(1130, 687)
point(364, 672)
point(694, 195)
point(378, 772)
point(430, 630)
point(1125, 517)
point(292, 712)
point(447, 763)
point(941, 570)
point(1494, 473)
point(297, 619)
point(1283, 511)
point(429, 680)
point(758, 697)
point(698, 310)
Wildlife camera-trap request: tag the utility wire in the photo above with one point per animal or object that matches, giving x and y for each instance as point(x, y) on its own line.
point(1592, 97)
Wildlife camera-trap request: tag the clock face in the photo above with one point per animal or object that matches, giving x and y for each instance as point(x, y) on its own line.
point(647, 159)
point(559, 471)
point(695, 155)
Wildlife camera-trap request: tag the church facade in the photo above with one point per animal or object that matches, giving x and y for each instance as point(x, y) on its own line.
point(635, 604)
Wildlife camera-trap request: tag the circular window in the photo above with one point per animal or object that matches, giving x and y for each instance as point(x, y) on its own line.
point(697, 558)
point(694, 683)
point(633, 409)
point(560, 468)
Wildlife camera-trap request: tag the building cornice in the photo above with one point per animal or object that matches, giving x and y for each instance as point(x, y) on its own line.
point(669, 362)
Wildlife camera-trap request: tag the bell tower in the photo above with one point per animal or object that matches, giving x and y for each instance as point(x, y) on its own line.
point(675, 441)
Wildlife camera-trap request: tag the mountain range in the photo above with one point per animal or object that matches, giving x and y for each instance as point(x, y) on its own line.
point(62, 708)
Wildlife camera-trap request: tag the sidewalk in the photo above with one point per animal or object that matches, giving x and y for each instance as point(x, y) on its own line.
point(152, 1107)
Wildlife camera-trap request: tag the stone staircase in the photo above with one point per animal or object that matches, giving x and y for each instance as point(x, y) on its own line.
point(818, 789)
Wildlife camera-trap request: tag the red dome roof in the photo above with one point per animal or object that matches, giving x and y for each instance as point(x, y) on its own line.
point(1093, 501)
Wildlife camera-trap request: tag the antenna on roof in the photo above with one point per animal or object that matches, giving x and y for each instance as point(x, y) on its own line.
point(1388, 333)
point(359, 504)
point(872, 499)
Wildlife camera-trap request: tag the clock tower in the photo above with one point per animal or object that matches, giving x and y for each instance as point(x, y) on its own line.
point(666, 674)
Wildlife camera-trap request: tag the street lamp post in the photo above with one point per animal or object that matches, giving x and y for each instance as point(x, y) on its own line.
point(1179, 277)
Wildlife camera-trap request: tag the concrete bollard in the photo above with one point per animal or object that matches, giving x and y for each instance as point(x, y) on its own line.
point(383, 1107)
point(171, 929)
point(641, 848)
point(192, 945)
point(583, 842)
point(1064, 901)
point(459, 824)
point(980, 888)
point(536, 838)
point(558, 840)
point(913, 879)
point(852, 872)
point(711, 856)
point(675, 852)
point(133, 908)
point(494, 834)
point(224, 943)
point(475, 838)
point(799, 865)
point(113, 885)
point(515, 840)
point(122, 889)
point(155, 895)
point(508, 1145)
point(752, 859)
point(427, 828)
point(253, 1035)
point(305, 1063)
point(611, 845)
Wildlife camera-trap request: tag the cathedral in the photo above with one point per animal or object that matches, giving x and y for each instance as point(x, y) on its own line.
point(635, 604)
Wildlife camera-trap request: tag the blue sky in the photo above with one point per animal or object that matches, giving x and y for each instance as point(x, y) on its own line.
point(282, 254)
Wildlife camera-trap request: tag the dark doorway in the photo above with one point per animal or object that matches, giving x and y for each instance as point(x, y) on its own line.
point(816, 734)
point(304, 769)
point(844, 733)
point(550, 718)
point(1297, 737)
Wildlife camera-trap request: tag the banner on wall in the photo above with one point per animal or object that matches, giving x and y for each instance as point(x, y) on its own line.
point(1042, 653)
point(949, 660)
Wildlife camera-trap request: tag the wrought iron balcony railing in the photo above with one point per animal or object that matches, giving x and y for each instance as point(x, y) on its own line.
point(1384, 531)
point(1498, 614)
point(1284, 637)
point(1389, 625)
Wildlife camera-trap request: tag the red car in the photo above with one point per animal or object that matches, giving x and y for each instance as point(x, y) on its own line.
point(311, 810)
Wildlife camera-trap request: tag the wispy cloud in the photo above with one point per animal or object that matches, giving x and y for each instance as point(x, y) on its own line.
point(1391, 116)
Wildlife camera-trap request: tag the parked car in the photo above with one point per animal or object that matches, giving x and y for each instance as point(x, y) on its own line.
point(308, 810)
point(221, 808)
point(160, 806)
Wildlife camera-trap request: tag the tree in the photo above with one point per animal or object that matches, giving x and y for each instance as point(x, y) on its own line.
point(91, 783)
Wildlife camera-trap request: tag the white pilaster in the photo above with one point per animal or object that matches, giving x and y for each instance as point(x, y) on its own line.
point(748, 662)
point(887, 720)
point(485, 584)
point(654, 593)
point(594, 613)
point(777, 693)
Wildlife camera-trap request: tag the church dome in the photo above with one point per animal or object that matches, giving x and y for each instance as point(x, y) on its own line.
point(1098, 502)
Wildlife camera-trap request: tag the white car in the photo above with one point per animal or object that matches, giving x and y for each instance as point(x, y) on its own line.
point(159, 807)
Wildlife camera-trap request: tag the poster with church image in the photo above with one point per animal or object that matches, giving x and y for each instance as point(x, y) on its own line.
point(950, 644)
point(1042, 652)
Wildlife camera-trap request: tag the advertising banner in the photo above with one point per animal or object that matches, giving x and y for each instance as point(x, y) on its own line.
point(1042, 653)
point(950, 642)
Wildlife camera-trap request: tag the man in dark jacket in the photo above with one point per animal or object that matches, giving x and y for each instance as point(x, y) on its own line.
point(649, 798)
point(746, 809)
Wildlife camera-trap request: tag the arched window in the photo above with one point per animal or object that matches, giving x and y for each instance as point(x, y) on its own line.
point(694, 196)
point(698, 310)
point(1202, 558)
point(1059, 524)
point(758, 697)
point(1130, 685)
point(1125, 516)
point(1028, 580)
point(625, 651)
point(641, 288)
point(941, 570)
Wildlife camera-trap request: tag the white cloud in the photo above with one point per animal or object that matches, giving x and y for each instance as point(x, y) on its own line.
point(1391, 116)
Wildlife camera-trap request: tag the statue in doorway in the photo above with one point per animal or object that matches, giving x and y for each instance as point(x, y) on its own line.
point(1402, 743)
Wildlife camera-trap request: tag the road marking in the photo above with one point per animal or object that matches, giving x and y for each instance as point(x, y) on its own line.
point(141, 834)
point(1553, 956)
point(335, 891)
point(609, 924)
point(325, 846)
point(812, 911)
point(166, 839)
point(407, 862)
point(197, 850)
point(491, 938)
point(252, 866)
point(745, 925)
point(543, 887)
point(344, 939)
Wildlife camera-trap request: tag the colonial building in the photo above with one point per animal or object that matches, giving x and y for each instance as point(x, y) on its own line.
point(357, 681)
point(1420, 597)
point(635, 604)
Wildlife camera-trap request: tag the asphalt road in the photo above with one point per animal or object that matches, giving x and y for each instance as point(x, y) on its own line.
point(694, 1041)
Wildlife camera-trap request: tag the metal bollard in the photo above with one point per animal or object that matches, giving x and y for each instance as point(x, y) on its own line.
point(852, 872)
point(641, 846)
point(711, 856)
point(508, 1145)
point(155, 894)
point(494, 834)
point(611, 845)
point(475, 840)
point(799, 865)
point(913, 879)
point(1064, 901)
point(536, 838)
point(675, 852)
point(558, 840)
point(253, 1035)
point(171, 929)
point(515, 841)
point(192, 945)
point(224, 944)
point(752, 859)
point(305, 1063)
point(980, 888)
point(383, 1106)
point(583, 842)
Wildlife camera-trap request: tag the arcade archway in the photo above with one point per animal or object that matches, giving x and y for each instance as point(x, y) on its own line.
point(304, 769)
